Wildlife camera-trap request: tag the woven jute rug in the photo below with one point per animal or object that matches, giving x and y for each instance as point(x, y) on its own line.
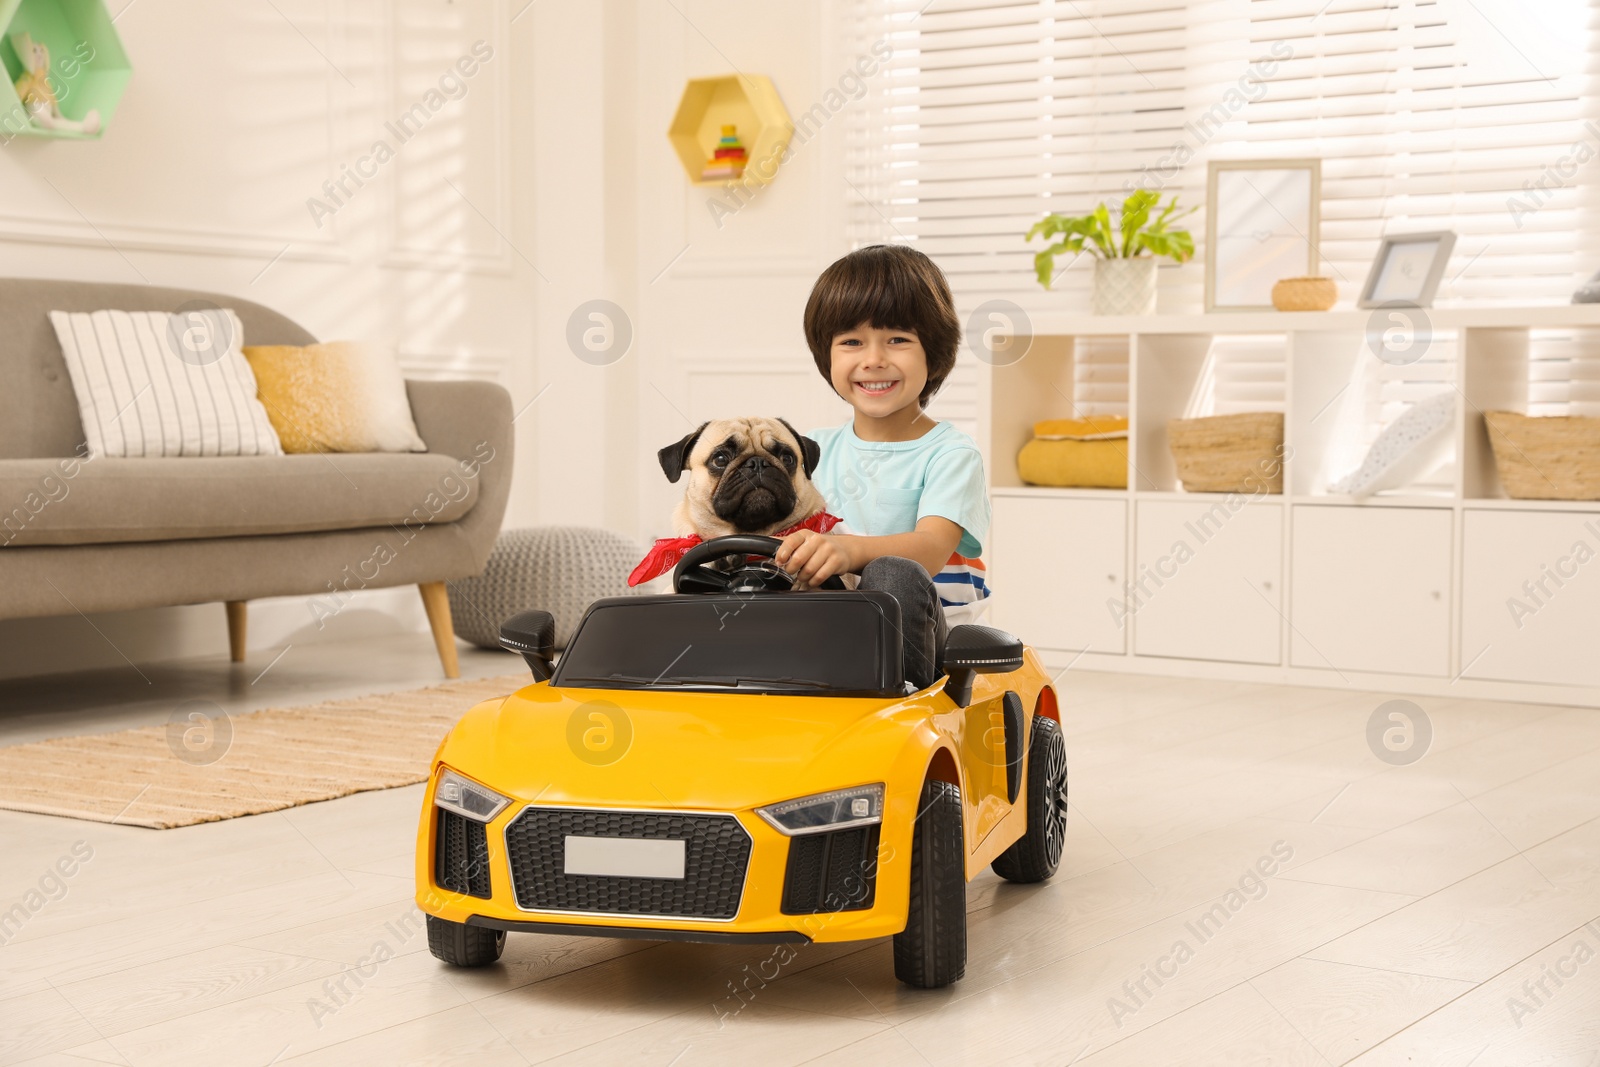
point(202, 765)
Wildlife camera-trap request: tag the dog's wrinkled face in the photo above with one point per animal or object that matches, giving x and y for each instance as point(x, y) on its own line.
point(745, 476)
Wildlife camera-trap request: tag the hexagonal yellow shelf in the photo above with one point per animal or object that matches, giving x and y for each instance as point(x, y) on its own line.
point(747, 102)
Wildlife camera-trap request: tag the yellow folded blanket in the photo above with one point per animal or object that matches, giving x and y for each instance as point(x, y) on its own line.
point(1087, 453)
point(1097, 428)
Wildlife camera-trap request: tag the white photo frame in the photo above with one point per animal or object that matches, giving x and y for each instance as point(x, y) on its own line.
point(1407, 269)
point(1263, 223)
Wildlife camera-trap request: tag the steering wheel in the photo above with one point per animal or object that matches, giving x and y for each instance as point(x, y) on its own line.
point(694, 573)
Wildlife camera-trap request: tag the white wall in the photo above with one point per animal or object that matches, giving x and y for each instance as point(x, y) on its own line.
point(720, 296)
point(566, 191)
point(235, 117)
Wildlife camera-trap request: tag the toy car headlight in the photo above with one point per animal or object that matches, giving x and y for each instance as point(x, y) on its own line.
point(466, 797)
point(860, 806)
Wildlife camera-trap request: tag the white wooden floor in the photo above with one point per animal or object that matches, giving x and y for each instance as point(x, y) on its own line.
point(1445, 912)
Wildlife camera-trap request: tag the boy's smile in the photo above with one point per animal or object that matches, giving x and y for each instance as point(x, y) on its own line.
point(874, 388)
point(882, 374)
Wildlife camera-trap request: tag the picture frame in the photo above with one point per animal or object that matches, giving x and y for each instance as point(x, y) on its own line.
point(1263, 224)
point(1407, 269)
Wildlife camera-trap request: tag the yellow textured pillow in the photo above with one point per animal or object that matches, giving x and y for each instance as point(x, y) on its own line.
point(341, 396)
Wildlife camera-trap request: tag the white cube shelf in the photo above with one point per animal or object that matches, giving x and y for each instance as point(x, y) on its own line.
point(1030, 554)
point(1403, 592)
point(1371, 589)
point(1530, 594)
point(1201, 561)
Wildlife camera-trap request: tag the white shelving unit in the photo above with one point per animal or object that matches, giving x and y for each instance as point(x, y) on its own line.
point(1407, 592)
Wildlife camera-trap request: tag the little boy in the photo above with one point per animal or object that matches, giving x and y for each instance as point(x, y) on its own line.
point(882, 327)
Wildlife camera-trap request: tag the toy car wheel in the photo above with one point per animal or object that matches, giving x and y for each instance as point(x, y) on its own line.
point(461, 945)
point(1036, 854)
point(932, 950)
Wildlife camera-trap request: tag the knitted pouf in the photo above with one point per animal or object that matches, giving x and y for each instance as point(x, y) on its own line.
point(559, 569)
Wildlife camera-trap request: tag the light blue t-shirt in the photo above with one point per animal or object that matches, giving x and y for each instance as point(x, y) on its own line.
point(886, 487)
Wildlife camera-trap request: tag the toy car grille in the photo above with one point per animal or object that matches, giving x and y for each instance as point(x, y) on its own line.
point(716, 854)
point(829, 872)
point(462, 855)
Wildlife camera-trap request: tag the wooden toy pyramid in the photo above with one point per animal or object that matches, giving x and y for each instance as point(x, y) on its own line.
point(729, 159)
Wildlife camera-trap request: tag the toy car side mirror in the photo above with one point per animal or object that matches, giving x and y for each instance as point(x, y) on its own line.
point(971, 650)
point(533, 635)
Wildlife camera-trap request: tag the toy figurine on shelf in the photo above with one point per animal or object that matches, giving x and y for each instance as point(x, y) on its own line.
point(38, 95)
point(728, 161)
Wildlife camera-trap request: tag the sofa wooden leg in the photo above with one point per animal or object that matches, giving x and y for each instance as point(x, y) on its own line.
point(437, 603)
point(237, 618)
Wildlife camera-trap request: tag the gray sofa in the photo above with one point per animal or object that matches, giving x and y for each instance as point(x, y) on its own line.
point(110, 534)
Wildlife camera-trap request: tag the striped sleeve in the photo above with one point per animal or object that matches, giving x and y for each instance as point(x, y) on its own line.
point(964, 591)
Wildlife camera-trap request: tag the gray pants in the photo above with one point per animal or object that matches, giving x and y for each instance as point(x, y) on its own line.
point(922, 624)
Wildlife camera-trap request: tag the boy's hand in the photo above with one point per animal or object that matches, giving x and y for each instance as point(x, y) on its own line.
point(813, 558)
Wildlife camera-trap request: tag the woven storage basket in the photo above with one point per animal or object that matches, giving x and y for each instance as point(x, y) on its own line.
point(1229, 453)
point(1305, 294)
point(1546, 458)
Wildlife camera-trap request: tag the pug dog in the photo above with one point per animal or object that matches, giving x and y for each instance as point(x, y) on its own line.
point(746, 476)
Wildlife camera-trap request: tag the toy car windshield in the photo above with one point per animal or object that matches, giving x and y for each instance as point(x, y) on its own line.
point(845, 643)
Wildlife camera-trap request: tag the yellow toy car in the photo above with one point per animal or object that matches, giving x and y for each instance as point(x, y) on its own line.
point(735, 765)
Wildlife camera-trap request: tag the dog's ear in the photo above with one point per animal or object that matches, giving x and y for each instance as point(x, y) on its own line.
point(809, 449)
point(675, 457)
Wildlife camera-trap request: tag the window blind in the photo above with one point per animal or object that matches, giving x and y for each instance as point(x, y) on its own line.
point(1100, 376)
point(1564, 372)
point(1242, 373)
point(1469, 115)
point(992, 112)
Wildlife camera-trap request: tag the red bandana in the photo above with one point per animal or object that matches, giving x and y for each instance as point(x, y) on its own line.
point(669, 550)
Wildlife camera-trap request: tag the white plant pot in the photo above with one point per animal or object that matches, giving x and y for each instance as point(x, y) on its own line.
point(1125, 286)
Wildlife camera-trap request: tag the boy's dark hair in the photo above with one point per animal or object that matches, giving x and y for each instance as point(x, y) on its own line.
point(891, 287)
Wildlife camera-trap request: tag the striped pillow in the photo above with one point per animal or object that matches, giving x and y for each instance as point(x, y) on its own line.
point(150, 383)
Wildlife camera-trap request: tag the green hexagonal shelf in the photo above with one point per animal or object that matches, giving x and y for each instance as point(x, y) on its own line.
point(747, 102)
point(88, 68)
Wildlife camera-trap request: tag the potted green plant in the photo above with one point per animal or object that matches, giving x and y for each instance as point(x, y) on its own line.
point(1125, 250)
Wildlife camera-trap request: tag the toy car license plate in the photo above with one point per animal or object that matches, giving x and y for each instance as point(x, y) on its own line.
point(624, 857)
